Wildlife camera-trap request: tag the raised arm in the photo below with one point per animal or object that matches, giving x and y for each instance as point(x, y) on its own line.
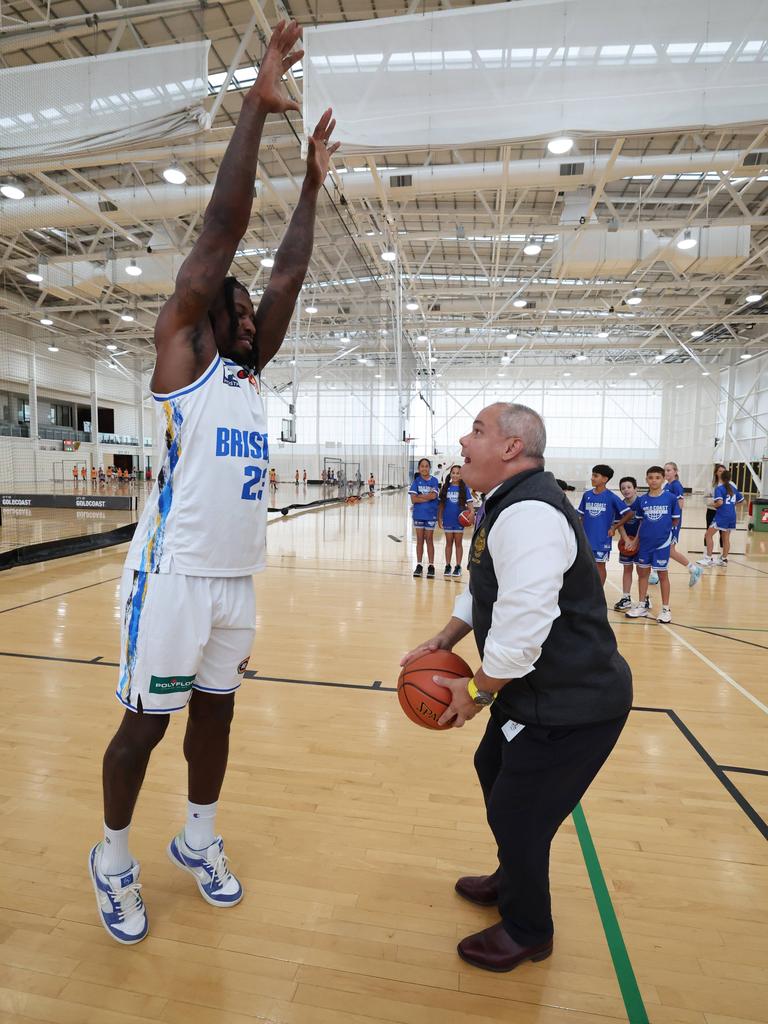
point(292, 259)
point(183, 338)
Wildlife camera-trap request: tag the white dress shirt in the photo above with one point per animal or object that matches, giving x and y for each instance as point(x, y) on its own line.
point(532, 546)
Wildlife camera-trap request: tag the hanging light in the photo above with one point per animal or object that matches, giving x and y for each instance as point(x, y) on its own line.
point(310, 309)
point(267, 261)
point(127, 317)
point(112, 348)
point(754, 297)
point(634, 300)
point(34, 277)
point(412, 306)
point(46, 322)
point(562, 144)
point(687, 241)
point(388, 256)
point(532, 249)
point(52, 348)
point(581, 358)
point(174, 175)
point(511, 336)
point(745, 355)
point(697, 334)
point(11, 191)
point(422, 337)
point(602, 334)
point(520, 303)
point(132, 270)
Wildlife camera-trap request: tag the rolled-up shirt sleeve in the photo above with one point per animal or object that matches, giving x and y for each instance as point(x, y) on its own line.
point(532, 546)
point(462, 607)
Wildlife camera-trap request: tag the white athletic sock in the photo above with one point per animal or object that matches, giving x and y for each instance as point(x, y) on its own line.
point(200, 830)
point(691, 567)
point(115, 855)
point(625, 595)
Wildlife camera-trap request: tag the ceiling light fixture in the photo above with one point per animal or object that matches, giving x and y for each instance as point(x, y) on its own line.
point(754, 297)
point(112, 348)
point(562, 144)
point(520, 303)
point(567, 374)
point(687, 241)
point(12, 191)
point(633, 373)
point(634, 300)
point(602, 334)
point(318, 376)
point(532, 249)
point(412, 306)
point(511, 336)
point(52, 348)
point(46, 322)
point(133, 270)
point(344, 340)
point(422, 337)
point(705, 373)
point(679, 386)
point(267, 261)
point(697, 334)
point(388, 256)
point(127, 317)
point(745, 355)
point(581, 358)
point(174, 175)
point(311, 310)
point(35, 278)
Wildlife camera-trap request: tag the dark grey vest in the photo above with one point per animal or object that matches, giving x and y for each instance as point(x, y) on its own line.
point(580, 677)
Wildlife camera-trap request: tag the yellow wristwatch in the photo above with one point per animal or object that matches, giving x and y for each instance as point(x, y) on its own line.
point(483, 698)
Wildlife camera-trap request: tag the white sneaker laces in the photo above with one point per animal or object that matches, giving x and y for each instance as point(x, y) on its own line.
point(128, 900)
point(220, 869)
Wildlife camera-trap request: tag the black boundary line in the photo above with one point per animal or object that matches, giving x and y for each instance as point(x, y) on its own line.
point(744, 771)
point(724, 636)
point(717, 770)
point(62, 593)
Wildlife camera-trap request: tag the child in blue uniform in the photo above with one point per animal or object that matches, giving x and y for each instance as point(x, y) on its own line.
point(727, 497)
point(658, 512)
point(602, 513)
point(673, 484)
point(453, 499)
point(628, 558)
point(424, 492)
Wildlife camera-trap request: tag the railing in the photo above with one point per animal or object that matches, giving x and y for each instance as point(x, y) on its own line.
point(7, 430)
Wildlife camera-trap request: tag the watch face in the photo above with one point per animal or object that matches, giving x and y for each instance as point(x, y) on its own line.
point(483, 698)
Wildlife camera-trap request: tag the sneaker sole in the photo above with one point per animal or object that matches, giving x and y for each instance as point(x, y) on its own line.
point(111, 934)
point(208, 899)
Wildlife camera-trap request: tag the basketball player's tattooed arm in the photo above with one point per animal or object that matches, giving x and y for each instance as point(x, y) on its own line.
point(183, 334)
point(292, 259)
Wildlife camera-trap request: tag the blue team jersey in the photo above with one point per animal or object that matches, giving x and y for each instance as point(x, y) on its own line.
point(725, 516)
point(676, 488)
point(451, 508)
point(425, 510)
point(656, 515)
point(599, 512)
point(633, 525)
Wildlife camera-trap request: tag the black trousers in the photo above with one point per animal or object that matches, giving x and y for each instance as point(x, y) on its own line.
point(530, 785)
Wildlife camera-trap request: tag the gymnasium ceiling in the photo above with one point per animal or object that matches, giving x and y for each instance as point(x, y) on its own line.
point(460, 252)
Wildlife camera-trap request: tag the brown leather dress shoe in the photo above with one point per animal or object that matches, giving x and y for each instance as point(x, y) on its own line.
point(494, 949)
point(480, 889)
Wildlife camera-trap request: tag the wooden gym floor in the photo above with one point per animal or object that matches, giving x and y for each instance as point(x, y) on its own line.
point(348, 825)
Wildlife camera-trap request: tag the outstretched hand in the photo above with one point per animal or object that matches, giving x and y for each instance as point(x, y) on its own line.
point(280, 56)
point(320, 152)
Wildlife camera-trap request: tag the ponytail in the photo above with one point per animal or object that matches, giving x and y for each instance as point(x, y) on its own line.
point(725, 480)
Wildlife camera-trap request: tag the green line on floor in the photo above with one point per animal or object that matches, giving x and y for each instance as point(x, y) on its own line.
point(630, 992)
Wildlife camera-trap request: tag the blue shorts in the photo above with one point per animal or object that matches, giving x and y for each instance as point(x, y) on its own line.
point(602, 554)
point(653, 558)
point(628, 559)
point(425, 524)
point(724, 524)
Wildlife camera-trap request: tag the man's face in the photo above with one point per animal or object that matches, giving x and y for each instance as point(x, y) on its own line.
point(628, 492)
point(240, 346)
point(598, 480)
point(483, 449)
point(655, 481)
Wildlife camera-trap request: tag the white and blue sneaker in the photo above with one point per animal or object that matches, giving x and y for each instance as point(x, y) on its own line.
point(695, 575)
point(118, 898)
point(654, 577)
point(217, 885)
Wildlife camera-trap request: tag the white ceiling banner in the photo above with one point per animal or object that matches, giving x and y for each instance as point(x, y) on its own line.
point(76, 106)
point(539, 68)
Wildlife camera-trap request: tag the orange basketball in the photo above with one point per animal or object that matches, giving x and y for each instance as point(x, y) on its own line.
point(421, 698)
point(467, 517)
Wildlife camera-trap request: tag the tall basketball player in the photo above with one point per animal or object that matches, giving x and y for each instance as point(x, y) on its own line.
point(186, 592)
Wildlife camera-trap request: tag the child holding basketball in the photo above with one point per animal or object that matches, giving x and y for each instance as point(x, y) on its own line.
point(727, 497)
point(628, 557)
point(424, 494)
point(452, 500)
point(658, 512)
point(602, 513)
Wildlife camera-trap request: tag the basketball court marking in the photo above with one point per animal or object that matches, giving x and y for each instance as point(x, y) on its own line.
point(710, 664)
point(62, 593)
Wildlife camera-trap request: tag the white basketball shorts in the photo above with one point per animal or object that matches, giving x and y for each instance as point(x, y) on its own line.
point(182, 633)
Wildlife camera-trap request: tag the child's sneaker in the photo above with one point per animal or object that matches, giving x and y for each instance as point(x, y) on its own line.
point(695, 575)
point(118, 898)
point(721, 561)
point(648, 603)
point(430, 572)
point(447, 570)
point(457, 572)
point(665, 615)
point(217, 885)
point(637, 611)
point(418, 571)
point(706, 560)
point(623, 603)
point(654, 577)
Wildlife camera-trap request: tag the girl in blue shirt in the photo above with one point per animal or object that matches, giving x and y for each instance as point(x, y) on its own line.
point(673, 484)
point(453, 499)
point(727, 497)
point(424, 492)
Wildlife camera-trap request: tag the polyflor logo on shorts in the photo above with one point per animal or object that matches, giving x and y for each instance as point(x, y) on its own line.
point(171, 684)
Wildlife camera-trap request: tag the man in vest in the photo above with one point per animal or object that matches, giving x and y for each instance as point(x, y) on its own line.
point(557, 690)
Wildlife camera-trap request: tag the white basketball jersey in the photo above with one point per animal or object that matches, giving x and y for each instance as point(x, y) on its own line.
point(207, 512)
